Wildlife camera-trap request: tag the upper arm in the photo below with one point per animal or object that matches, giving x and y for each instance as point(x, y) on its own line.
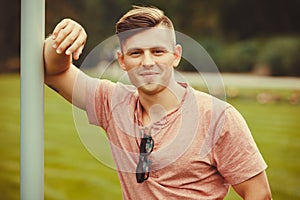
point(67, 82)
point(238, 159)
point(256, 188)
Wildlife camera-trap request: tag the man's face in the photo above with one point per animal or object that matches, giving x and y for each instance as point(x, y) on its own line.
point(149, 57)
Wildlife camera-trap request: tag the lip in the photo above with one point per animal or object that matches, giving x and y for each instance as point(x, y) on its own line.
point(148, 73)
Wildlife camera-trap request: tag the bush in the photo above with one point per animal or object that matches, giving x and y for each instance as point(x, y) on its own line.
point(240, 57)
point(212, 47)
point(236, 57)
point(282, 55)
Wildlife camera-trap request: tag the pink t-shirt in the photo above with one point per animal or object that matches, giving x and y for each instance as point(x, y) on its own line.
point(200, 149)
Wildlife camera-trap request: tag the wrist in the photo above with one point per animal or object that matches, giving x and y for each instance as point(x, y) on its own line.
point(55, 62)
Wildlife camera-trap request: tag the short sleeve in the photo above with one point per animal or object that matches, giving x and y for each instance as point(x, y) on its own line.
point(236, 154)
point(98, 93)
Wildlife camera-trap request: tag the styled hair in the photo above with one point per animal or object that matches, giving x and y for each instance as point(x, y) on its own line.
point(140, 18)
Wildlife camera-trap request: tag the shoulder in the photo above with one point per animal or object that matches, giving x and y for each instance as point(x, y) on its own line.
point(106, 92)
point(209, 104)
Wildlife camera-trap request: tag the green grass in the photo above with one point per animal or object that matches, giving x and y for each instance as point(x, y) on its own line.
point(72, 173)
point(275, 128)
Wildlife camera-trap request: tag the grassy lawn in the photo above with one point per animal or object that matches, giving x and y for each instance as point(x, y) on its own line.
point(72, 173)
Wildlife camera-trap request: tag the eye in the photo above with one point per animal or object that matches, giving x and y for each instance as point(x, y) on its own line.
point(135, 53)
point(158, 52)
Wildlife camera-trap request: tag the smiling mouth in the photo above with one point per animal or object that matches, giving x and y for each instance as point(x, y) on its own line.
point(148, 74)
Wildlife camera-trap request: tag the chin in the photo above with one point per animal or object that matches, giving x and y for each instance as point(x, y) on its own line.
point(151, 89)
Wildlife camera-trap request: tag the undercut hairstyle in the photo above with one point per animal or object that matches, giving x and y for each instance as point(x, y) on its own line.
point(139, 19)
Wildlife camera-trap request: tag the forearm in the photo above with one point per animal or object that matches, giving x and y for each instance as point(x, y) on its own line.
point(55, 62)
point(65, 44)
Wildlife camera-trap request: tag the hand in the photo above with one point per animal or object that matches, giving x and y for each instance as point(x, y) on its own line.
point(69, 37)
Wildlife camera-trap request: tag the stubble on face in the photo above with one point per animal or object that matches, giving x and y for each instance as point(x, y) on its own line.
point(152, 80)
point(153, 75)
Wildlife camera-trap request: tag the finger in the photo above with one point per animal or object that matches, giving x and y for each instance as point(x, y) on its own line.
point(77, 53)
point(59, 27)
point(77, 44)
point(63, 40)
point(69, 40)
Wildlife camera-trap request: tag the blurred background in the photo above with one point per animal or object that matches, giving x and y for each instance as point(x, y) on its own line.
point(255, 45)
point(240, 35)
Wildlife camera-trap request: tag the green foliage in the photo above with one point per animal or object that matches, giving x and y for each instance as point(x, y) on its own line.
point(233, 20)
point(243, 19)
point(282, 54)
point(234, 57)
point(214, 47)
point(239, 57)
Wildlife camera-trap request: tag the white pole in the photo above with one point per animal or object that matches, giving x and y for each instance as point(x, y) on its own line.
point(32, 100)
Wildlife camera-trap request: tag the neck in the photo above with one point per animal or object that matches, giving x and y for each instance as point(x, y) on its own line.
point(156, 106)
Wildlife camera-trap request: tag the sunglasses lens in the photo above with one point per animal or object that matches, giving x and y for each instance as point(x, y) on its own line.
point(147, 145)
point(143, 167)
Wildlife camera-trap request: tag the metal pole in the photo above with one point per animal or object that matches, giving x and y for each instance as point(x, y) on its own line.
point(32, 100)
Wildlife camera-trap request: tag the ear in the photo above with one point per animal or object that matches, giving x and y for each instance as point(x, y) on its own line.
point(121, 60)
point(177, 55)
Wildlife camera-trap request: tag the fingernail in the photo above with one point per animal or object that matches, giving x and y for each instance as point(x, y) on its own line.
point(68, 52)
point(58, 51)
point(76, 56)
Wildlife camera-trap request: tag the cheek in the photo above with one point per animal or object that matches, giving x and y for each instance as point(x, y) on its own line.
point(168, 73)
point(131, 63)
point(132, 75)
point(166, 65)
point(168, 61)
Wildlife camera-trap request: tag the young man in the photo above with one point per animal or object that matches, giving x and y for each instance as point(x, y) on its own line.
point(168, 140)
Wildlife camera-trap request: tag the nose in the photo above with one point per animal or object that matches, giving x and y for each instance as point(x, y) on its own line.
point(148, 60)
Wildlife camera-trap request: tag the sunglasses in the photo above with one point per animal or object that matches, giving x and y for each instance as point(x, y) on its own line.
point(143, 166)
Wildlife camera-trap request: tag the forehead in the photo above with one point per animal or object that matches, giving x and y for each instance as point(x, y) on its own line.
point(150, 38)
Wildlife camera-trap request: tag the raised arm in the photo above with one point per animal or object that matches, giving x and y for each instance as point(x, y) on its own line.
point(65, 44)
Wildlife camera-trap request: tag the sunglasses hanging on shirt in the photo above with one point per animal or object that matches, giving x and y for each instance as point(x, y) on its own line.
point(143, 166)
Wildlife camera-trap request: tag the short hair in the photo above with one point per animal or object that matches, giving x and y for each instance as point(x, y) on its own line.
point(140, 18)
